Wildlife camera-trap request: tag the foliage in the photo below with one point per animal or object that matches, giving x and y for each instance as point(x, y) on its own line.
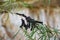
point(43, 32)
point(12, 4)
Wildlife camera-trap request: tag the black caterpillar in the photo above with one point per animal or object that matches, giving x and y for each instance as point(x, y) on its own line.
point(31, 22)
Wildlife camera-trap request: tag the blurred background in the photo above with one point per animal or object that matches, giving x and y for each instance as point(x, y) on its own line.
point(46, 11)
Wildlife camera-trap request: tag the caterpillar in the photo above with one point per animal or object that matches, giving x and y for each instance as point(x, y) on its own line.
point(29, 21)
